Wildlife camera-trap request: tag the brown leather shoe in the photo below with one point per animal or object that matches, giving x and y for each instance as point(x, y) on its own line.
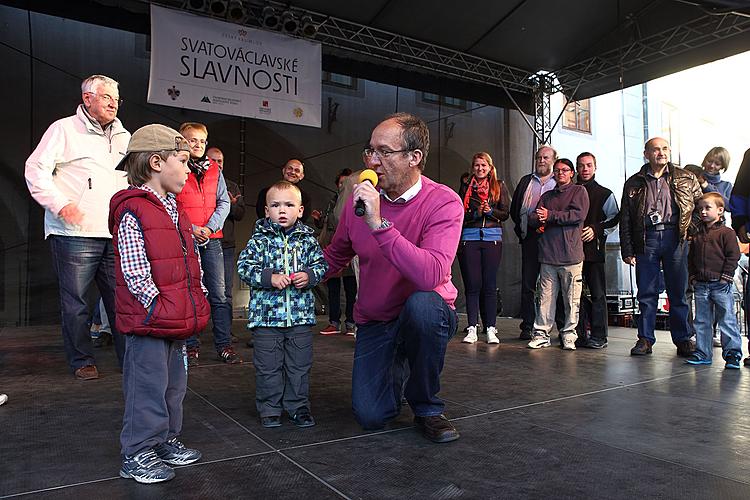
point(685, 348)
point(641, 348)
point(437, 429)
point(88, 372)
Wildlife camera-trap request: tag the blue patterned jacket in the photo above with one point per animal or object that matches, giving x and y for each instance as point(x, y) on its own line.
point(271, 251)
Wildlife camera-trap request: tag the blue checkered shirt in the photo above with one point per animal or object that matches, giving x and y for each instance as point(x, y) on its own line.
point(133, 259)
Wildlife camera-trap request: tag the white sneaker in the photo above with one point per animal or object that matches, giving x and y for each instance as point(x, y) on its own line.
point(569, 342)
point(3, 398)
point(471, 337)
point(538, 341)
point(717, 341)
point(492, 335)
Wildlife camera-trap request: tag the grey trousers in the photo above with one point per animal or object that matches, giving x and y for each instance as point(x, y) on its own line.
point(154, 381)
point(552, 280)
point(282, 358)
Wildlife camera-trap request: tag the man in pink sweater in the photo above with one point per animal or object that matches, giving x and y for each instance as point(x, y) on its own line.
point(405, 313)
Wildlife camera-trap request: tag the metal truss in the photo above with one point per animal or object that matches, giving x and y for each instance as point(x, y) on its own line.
point(409, 52)
point(542, 109)
point(705, 30)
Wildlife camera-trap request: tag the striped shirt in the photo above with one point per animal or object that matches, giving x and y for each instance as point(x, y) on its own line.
point(136, 268)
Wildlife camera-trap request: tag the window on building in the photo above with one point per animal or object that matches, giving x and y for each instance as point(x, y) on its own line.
point(577, 116)
point(442, 100)
point(339, 80)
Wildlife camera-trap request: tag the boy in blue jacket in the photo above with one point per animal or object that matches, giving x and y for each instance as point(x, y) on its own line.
point(282, 263)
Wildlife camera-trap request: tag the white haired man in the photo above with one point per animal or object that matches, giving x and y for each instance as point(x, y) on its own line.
point(72, 175)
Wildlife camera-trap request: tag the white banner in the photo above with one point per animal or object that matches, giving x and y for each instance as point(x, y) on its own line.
point(208, 65)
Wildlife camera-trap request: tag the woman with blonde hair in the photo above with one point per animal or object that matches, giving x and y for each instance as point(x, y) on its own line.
point(486, 205)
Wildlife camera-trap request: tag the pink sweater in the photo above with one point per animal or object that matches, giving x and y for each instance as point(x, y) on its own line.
point(414, 254)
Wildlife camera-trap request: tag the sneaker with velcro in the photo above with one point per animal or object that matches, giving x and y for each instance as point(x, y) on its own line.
point(173, 452)
point(146, 467)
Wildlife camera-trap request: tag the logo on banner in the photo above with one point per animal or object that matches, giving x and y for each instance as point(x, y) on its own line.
point(298, 112)
point(206, 99)
point(265, 107)
point(174, 93)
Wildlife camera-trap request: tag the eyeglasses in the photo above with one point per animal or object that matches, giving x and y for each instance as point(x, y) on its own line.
point(112, 100)
point(382, 154)
point(562, 170)
point(194, 141)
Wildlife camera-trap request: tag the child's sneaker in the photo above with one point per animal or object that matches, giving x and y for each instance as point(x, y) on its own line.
point(303, 418)
point(146, 467)
point(173, 452)
point(733, 360)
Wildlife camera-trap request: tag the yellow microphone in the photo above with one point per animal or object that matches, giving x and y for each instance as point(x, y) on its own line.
point(370, 176)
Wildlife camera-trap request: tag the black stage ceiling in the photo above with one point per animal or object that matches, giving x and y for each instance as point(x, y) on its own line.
point(486, 51)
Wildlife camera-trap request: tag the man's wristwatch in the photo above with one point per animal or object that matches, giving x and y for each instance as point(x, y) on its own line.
point(384, 224)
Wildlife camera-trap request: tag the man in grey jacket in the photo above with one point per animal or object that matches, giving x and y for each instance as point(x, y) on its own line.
point(559, 218)
point(72, 175)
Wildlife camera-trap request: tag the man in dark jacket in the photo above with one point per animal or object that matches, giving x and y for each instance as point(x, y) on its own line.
point(236, 213)
point(525, 198)
point(657, 207)
point(559, 217)
point(603, 216)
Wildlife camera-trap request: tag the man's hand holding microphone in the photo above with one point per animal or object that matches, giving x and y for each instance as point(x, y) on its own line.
point(367, 199)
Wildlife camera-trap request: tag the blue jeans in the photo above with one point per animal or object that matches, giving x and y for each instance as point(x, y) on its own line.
point(80, 262)
point(403, 356)
point(715, 297)
point(212, 261)
point(230, 267)
point(663, 248)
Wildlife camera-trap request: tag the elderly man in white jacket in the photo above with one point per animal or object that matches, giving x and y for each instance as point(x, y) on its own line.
point(72, 175)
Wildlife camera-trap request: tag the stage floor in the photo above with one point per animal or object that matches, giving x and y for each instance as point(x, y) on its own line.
point(534, 424)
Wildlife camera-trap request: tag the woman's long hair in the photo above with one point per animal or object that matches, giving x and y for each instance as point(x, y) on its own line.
point(494, 195)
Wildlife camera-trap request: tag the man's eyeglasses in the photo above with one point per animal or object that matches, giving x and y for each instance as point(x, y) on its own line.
point(562, 170)
point(112, 100)
point(382, 154)
point(195, 141)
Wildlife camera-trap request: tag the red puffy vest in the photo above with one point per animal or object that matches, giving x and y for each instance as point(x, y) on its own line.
point(199, 199)
point(181, 309)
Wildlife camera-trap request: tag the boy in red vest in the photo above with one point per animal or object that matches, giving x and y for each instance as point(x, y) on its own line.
point(160, 300)
point(207, 203)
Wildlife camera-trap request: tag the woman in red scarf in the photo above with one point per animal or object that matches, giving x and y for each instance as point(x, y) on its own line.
point(486, 203)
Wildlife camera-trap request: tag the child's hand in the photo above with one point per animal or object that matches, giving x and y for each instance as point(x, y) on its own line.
point(300, 279)
point(280, 281)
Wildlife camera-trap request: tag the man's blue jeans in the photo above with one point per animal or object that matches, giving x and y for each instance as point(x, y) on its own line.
point(212, 261)
point(716, 297)
point(663, 251)
point(403, 356)
point(230, 267)
point(79, 262)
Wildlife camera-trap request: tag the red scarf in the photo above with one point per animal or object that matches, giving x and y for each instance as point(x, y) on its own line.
point(478, 190)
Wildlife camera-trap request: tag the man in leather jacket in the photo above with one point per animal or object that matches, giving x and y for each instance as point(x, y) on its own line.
point(657, 207)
